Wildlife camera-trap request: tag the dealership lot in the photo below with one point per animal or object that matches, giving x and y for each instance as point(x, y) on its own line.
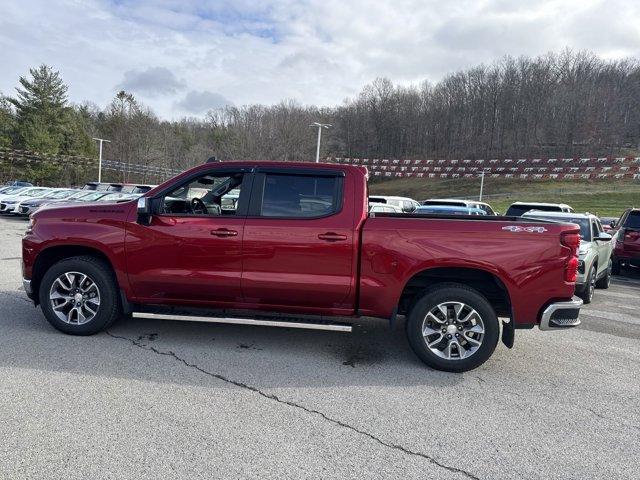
point(158, 399)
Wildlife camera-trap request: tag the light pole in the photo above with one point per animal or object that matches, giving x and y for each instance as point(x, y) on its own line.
point(320, 127)
point(101, 140)
point(481, 183)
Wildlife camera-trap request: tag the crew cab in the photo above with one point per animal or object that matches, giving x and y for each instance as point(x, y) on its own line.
point(299, 249)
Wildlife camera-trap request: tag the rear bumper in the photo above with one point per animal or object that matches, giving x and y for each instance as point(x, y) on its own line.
point(559, 315)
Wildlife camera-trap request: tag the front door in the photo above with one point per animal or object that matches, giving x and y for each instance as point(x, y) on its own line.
point(191, 252)
point(298, 241)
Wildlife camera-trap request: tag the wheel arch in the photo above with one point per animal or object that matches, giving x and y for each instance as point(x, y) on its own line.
point(53, 254)
point(485, 282)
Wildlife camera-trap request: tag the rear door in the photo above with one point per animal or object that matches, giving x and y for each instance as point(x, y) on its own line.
point(299, 240)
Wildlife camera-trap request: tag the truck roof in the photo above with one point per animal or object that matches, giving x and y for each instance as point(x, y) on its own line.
point(560, 215)
point(541, 204)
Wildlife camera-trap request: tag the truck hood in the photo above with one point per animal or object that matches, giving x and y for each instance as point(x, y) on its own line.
point(94, 211)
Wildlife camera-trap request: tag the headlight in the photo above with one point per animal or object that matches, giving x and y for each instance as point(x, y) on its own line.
point(583, 250)
point(32, 223)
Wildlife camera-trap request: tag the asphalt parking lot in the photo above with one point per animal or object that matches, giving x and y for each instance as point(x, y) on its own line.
point(155, 399)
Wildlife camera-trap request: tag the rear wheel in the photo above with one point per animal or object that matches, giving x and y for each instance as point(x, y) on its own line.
point(79, 296)
point(453, 328)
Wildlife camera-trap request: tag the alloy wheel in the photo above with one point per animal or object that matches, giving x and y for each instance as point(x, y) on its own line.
point(453, 330)
point(74, 298)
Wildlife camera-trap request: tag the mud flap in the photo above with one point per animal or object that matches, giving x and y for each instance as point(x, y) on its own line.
point(508, 334)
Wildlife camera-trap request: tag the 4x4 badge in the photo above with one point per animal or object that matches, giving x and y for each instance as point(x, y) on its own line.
point(516, 228)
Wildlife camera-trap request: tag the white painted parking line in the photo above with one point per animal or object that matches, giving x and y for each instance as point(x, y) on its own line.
point(609, 293)
point(618, 317)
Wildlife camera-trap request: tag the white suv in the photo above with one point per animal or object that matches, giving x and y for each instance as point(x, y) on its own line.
point(594, 267)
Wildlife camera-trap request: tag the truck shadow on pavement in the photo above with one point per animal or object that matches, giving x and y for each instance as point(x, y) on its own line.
point(271, 357)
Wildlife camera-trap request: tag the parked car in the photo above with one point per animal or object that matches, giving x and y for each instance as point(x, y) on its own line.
point(456, 202)
point(452, 278)
point(626, 245)
point(608, 223)
point(517, 209)
point(9, 203)
point(407, 205)
point(27, 207)
point(448, 210)
point(595, 264)
point(383, 208)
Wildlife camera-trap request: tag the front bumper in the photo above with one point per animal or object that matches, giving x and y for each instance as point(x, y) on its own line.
point(28, 289)
point(559, 315)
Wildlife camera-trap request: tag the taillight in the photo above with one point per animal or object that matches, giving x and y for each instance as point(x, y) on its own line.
point(571, 241)
point(571, 270)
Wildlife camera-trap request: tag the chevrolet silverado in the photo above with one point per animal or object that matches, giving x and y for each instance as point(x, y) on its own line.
point(298, 248)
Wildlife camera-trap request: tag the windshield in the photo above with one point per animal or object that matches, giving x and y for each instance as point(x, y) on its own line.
point(585, 231)
point(34, 193)
point(92, 197)
point(445, 202)
point(15, 190)
point(519, 210)
point(59, 194)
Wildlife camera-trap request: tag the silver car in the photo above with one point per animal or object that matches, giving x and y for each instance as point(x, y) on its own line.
point(594, 267)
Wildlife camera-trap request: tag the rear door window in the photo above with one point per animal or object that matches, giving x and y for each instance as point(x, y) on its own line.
point(298, 196)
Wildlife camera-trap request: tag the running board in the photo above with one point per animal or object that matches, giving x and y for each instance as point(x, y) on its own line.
point(294, 323)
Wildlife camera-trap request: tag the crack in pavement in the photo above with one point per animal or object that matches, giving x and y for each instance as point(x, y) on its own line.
point(617, 422)
point(271, 396)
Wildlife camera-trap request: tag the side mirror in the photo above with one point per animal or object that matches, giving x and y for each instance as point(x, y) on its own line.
point(144, 211)
point(612, 224)
point(604, 237)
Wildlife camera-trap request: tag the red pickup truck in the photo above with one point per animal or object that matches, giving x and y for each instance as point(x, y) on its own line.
point(292, 244)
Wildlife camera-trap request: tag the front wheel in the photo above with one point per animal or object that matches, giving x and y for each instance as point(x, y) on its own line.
point(589, 287)
point(615, 267)
point(79, 296)
point(453, 328)
point(605, 281)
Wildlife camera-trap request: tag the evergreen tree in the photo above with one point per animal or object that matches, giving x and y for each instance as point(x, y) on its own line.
point(45, 121)
point(7, 123)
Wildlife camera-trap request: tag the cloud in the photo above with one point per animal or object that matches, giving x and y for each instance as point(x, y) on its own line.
point(313, 51)
point(152, 81)
point(198, 102)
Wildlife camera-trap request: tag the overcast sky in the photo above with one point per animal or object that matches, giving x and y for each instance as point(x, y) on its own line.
point(183, 57)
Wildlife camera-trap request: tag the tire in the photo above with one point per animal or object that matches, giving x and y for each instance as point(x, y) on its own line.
point(586, 294)
point(64, 284)
point(605, 281)
point(615, 267)
point(449, 295)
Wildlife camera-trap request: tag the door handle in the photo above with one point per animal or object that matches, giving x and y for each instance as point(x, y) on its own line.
point(223, 232)
point(332, 237)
